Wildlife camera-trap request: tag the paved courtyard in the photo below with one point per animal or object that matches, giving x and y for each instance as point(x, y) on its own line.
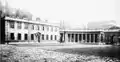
point(61, 52)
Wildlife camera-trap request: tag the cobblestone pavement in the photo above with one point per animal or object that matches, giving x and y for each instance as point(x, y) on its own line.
point(9, 53)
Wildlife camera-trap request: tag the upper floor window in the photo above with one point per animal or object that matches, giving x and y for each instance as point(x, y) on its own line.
point(19, 25)
point(32, 27)
point(38, 28)
point(43, 28)
point(12, 24)
point(47, 28)
point(52, 29)
point(26, 25)
point(56, 29)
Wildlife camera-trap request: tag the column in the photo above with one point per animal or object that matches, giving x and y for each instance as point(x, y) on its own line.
point(78, 38)
point(86, 37)
point(89, 38)
point(82, 37)
point(93, 38)
point(74, 38)
point(66, 37)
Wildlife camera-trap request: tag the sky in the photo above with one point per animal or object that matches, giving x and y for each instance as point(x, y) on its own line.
point(74, 12)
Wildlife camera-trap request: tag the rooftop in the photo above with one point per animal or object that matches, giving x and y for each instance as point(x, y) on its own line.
point(30, 21)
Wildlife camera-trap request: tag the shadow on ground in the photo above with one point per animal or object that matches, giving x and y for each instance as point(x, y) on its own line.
point(113, 51)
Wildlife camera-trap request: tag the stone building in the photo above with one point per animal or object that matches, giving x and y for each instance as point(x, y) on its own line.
point(90, 36)
point(20, 30)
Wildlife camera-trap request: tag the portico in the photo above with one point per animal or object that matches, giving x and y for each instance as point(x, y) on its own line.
point(81, 36)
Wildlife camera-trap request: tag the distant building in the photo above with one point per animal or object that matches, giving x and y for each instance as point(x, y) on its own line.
point(28, 31)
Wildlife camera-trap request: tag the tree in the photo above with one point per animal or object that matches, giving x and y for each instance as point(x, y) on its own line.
point(38, 34)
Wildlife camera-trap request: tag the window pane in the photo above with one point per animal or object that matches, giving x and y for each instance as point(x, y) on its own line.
point(32, 37)
point(12, 24)
point(52, 29)
point(42, 36)
point(32, 27)
point(38, 27)
point(43, 28)
point(12, 36)
point(47, 37)
point(26, 25)
point(19, 36)
point(55, 37)
point(51, 37)
point(19, 25)
point(26, 36)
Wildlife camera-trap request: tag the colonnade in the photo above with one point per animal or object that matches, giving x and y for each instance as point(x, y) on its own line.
point(82, 37)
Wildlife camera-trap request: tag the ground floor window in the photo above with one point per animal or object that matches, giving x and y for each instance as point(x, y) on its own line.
point(12, 36)
point(19, 36)
point(32, 36)
point(26, 36)
point(47, 38)
point(51, 37)
point(42, 36)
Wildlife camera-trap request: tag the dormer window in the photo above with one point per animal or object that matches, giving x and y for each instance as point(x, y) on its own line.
point(37, 19)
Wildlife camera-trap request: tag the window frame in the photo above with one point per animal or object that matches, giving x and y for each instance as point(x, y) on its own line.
point(26, 25)
point(12, 24)
point(19, 36)
point(32, 36)
point(12, 36)
point(25, 36)
point(19, 25)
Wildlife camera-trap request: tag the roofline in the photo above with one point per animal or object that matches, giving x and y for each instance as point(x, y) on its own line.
point(117, 30)
point(28, 21)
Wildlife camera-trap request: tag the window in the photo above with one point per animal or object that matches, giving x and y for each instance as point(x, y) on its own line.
point(26, 25)
point(38, 28)
point(47, 28)
point(26, 36)
point(19, 25)
point(12, 36)
point(52, 29)
point(12, 24)
point(56, 29)
point(32, 27)
point(19, 36)
point(32, 36)
point(51, 37)
point(42, 36)
point(43, 28)
point(47, 38)
point(55, 37)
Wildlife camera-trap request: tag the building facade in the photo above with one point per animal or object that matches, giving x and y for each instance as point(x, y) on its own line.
point(30, 31)
point(90, 36)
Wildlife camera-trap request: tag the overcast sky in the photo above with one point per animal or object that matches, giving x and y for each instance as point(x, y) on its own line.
point(75, 12)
